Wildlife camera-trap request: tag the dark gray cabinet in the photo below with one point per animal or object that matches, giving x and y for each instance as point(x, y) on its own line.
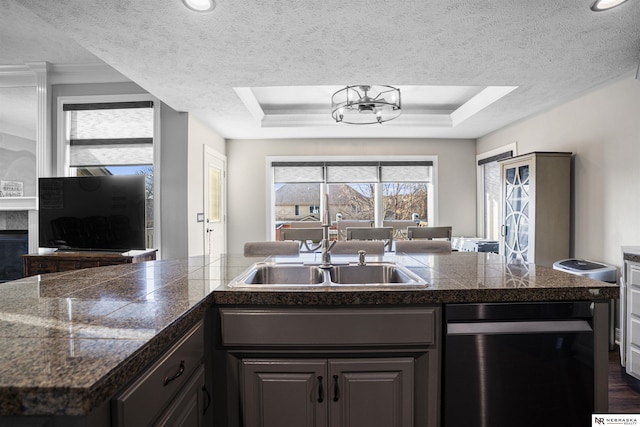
point(284, 392)
point(188, 407)
point(372, 392)
point(171, 392)
point(328, 366)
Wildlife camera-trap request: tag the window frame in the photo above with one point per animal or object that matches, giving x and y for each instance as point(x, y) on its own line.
point(270, 188)
point(62, 145)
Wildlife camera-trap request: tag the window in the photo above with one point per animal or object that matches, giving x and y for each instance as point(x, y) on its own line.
point(357, 190)
point(489, 191)
point(113, 138)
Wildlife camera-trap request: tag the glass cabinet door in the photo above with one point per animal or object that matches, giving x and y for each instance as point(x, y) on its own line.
point(516, 213)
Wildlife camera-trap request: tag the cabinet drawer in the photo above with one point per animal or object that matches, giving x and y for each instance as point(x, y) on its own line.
point(42, 267)
point(634, 274)
point(146, 397)
point(104, 262)
point(188, 407)
point(633, 361)
point(76, 265)
point(634, 301)
point(634, 331)
point(328, 327)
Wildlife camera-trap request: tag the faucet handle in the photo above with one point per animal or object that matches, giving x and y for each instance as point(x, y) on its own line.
point(361, 257)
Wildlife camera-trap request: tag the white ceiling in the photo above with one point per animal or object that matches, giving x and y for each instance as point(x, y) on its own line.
point(266, 68)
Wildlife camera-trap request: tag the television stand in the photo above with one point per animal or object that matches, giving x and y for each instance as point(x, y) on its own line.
point(76, 260)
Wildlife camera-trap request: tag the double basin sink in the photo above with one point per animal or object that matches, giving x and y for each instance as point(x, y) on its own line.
point(273, 275)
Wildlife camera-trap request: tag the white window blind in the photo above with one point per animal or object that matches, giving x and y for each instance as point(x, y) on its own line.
point(405, 172)
point(297, 172)
point(352, 172)
point(114, 134)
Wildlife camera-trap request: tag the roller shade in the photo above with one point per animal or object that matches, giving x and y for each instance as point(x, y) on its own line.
point(352, 172)
point(405, 172)
point(298, 172)
point(116, 134)
point(115, 153)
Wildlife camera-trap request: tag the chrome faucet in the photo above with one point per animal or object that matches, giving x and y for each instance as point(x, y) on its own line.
point(326, 244)
point(361, 257)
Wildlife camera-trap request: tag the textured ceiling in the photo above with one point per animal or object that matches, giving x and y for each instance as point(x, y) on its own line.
point(24, 37)
point(551, 50)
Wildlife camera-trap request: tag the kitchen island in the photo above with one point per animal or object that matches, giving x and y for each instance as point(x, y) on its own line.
point(72, 341)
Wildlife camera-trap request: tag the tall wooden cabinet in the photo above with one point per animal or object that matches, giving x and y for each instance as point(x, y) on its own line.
point(536, 207)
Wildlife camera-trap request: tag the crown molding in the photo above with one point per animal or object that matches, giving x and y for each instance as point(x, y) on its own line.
point(16, 75)
point(85, 73)
point(25, 74)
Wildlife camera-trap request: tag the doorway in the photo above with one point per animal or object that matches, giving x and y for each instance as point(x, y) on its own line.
point(215, 227)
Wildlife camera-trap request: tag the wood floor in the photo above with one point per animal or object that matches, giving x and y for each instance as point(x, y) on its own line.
point(624, 391)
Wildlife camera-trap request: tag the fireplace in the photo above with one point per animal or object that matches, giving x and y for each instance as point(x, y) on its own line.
point(13, 244)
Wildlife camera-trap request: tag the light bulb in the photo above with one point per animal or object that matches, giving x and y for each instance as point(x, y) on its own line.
point(200, 5)
point(600, 5)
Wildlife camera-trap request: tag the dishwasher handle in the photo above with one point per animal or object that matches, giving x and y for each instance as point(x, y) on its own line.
point(518, 327)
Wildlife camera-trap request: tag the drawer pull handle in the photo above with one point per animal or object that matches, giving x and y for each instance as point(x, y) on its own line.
point(336, 389)
point(167, 380)
point(207, 396)
point(320, 390)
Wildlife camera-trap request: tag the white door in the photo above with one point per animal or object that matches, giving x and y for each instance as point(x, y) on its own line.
point(215, 226)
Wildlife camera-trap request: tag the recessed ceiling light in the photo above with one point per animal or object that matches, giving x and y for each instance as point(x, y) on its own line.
point(200, 5)
point(600, 5)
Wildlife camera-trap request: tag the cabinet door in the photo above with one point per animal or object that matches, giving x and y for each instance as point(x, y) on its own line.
point(516, 184)
point(284, 392)
point(371, 392)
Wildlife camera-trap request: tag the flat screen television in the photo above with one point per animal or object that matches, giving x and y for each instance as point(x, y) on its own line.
point(92, 213)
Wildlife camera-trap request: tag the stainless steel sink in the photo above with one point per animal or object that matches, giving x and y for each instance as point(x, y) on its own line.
point(374, 274)
point(273, 275)
point(270, 274)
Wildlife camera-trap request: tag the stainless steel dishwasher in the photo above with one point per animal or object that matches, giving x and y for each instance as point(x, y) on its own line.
point(524, 364)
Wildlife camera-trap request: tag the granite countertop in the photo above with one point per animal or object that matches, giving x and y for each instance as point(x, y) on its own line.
point(69, 341)
point(631, 253)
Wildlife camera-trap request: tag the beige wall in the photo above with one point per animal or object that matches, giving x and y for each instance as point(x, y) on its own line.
point(247, 188)
point(602, 129)
point(199, 136)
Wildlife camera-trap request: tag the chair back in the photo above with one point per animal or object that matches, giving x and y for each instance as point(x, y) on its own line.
point(343, 224)
point(399, 227)
point(351, 247)
point(372, 233)
point(308, 238)
point(423, 246)
point(305, 224)
point(429, 233)
point(263, 249)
